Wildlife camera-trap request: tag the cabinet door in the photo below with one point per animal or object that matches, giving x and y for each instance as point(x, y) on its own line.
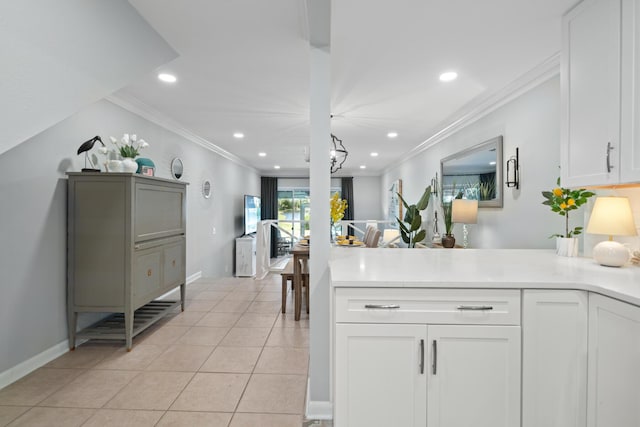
point(591, 93)
point(380, 375)
point(146, 274)
point(173, 261)
point(630, 121)
point(554, 358)
point(614, 363)
point(474, 376)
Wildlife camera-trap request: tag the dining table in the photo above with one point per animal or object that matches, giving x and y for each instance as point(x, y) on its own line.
point(300, 254)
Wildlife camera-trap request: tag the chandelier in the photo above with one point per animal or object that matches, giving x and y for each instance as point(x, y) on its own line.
point(338, 154)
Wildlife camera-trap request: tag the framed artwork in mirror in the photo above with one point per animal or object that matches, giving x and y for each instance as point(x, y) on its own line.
point(395, 205)
point(476, 172)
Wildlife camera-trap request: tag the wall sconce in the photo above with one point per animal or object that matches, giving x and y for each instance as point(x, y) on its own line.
point(434, 186)
point(513, 171)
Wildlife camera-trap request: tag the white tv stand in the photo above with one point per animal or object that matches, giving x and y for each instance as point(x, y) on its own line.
point(246, 256)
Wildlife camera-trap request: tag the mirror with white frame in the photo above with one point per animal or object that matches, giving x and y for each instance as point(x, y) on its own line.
point(476, 172)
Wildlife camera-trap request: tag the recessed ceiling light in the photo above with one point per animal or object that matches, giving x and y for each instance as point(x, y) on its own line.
point(492, 163)
point(238, 135)
point(392, 135)
point(363, 167)
point(374, 154)
point(276, 167)
point(167, 78)
point(448, 76)
point(262, 154)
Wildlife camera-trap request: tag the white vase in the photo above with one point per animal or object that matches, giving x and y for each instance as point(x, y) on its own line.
point(114, 165)
point(129, 165)
point(567, 246)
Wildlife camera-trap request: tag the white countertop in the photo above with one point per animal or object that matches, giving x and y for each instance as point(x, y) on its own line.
point(480, 268)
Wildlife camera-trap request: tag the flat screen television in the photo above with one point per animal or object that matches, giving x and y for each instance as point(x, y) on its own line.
point(251, 213)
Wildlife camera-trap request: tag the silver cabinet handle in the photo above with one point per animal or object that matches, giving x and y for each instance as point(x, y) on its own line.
point(422, 356)
point(434, 367)
point(381, 306)
point(475, 307)
point(609, 148)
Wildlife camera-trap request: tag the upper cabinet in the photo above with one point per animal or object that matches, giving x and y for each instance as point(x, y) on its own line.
point(600, 67)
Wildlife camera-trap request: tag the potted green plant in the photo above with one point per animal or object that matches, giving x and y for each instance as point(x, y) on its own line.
point(562, 201)
point(410, 229)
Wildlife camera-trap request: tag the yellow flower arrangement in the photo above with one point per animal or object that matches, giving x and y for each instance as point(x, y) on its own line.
point(562, 201)
point(338, 207)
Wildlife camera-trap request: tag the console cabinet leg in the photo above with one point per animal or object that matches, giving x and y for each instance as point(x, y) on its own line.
point(128, 329)
point(72, 319)
point(183, 295)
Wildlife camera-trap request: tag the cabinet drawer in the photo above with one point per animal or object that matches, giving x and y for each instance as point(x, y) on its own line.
point(146, 272)
point(158, 212)
point(434, 306)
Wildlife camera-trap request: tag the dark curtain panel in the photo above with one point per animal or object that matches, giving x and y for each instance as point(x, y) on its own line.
point(347, 193)
point(269, 207)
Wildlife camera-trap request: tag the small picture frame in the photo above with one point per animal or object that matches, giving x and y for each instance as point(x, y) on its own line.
point(147, 170)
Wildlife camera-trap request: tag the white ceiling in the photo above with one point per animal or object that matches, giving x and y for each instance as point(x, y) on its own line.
point(244, 67)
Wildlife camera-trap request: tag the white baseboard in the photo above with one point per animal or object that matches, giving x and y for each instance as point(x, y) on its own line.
point(195, 276)
point(14, 374)
point(318, 409)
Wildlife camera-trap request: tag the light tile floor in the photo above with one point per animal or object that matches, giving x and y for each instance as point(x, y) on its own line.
point(231, 359)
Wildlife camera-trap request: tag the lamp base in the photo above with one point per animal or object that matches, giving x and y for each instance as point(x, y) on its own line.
point(610, 254)
point(90, 170)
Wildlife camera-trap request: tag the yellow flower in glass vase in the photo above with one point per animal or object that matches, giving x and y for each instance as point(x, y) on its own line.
point(338, 206)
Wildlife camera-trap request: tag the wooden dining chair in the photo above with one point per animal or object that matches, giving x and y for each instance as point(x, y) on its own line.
point(372, 241)
point(287, 277)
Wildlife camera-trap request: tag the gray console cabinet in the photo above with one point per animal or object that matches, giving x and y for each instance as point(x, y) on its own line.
point(126, 247)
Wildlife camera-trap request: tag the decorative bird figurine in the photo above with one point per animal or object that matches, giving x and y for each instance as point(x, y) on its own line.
point(84, 148)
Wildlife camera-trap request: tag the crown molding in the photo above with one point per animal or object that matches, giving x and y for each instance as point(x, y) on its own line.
point(474, 111)
point(145, 111)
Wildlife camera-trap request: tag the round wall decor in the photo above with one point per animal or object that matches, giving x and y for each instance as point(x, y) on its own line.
point(206, 189)
point(177, 168)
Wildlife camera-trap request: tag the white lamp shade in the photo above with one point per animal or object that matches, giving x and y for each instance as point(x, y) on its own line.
point(390, 234)
point(464, 211)
point(612, 216)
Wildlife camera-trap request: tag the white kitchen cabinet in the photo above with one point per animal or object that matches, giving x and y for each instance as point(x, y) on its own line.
point(614, 363)
point(554, 358)
point(245, 256)
point(381, 378)
point(435, 357)
point(474, 376)
point(591, 94)
point(600, 93)
point(630, 90)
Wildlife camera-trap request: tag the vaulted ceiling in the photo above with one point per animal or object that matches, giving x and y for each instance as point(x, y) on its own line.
point(243, 66)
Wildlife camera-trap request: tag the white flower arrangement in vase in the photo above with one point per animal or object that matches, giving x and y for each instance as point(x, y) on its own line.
point(129, 148)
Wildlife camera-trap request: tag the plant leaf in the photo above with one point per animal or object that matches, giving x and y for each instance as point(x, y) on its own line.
point(424, 200)
point(420, 236)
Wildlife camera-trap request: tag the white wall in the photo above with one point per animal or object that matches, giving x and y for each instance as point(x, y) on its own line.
point(61, 56)
point(366, 191)
point(33, 219)
point(530, 122)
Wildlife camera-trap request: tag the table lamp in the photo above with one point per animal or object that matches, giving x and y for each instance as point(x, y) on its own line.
point(390, 236)
point(611, 216)
point(464, 212)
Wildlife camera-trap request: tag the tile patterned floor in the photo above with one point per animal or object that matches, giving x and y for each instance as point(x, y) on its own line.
point(231, 359)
